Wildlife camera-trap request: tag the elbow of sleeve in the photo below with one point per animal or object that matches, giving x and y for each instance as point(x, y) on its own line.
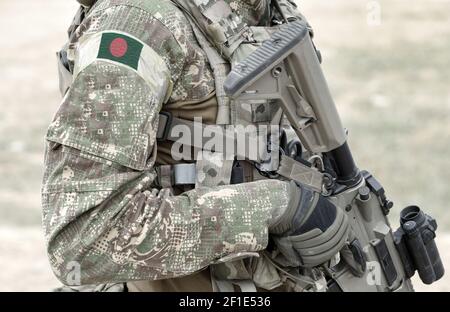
point(65, 261)
point(68, 260)
point(65, 265)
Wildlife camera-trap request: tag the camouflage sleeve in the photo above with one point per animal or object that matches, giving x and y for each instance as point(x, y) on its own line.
point(101, 216)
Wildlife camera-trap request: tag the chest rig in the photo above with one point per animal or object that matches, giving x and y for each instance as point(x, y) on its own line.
point(227, 40)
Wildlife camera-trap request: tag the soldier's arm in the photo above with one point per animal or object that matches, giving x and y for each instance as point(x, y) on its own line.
point(101, 214)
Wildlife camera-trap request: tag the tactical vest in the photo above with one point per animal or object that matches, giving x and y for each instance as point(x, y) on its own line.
point(227, 40)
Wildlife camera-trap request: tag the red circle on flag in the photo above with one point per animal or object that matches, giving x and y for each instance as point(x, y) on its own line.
point(118, 47)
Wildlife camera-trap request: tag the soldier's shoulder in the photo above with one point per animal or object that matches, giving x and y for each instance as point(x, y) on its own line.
point(164, 11)
point(158, 23)
point(147, 5)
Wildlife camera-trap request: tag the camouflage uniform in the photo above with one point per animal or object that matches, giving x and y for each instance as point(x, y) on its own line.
point(101, 205)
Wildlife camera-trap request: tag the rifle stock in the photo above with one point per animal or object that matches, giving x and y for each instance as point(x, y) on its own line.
point(286, 71)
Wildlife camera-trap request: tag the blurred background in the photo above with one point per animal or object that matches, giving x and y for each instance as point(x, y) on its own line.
point(388, 65)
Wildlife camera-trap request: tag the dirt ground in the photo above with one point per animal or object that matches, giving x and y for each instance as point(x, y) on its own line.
point(387, 63)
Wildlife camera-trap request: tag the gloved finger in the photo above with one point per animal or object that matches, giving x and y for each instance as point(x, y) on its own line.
point(291, 256)
point(321, 248)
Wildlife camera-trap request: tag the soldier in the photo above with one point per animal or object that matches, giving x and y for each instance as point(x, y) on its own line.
point(115, 204)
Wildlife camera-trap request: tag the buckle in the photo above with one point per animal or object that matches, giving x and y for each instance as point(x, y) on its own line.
point(164, 126)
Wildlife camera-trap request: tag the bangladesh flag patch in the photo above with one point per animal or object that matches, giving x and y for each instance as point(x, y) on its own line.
point(120, 48)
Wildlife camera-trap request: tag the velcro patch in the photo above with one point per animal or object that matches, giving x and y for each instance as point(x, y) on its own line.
point(125, 50)
point(120, 48)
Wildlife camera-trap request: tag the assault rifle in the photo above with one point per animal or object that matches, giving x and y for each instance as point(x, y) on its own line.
point(286, 71)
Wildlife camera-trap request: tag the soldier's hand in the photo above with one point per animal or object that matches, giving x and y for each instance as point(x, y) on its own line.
point(311, 230)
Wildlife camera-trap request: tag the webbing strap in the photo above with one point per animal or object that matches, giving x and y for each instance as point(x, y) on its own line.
point(225, 27)
point(170, 129)
point(176, 175)
point(65, 76)
point(184, 174)
point(246, 285)
point(221, 286)
point(295, 170)
point(227, 285)
point(193, 134)
point(221, 68)
point(217, 22)
point(165, 176)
